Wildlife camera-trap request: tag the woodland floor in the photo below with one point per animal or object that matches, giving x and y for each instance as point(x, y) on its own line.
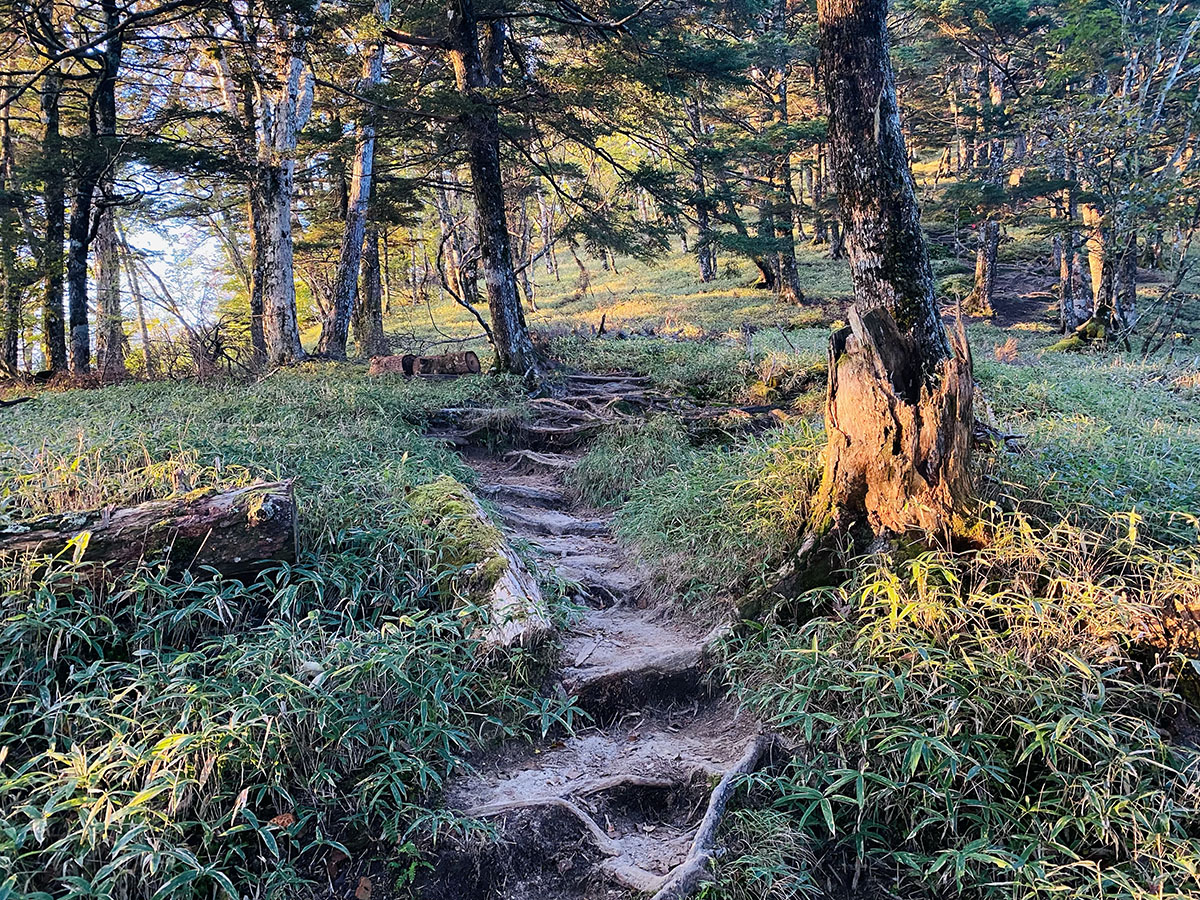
point(417, 768)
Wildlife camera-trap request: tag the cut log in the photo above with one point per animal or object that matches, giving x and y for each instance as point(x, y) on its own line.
point(237, 532)
point(465, 362)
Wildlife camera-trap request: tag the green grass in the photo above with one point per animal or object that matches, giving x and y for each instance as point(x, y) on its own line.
point(175, 739)
point(982, 724)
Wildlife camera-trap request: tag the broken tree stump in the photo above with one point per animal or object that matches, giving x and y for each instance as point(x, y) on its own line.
point(237, 532)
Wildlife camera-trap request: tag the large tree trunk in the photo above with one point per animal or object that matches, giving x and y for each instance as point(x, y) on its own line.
point(481, 128)
point(273, 263)
point(111, 343)
point(899, 410)
point(369, 339)
point(13, 286)
point(78, 243)
point(54, 198)
point(235, 532)
point(345, 291)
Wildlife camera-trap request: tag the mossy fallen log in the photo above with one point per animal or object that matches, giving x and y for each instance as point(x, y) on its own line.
point(237, 532)
point(497, 580)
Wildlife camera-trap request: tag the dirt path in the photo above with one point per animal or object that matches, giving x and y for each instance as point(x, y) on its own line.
point(625, 807)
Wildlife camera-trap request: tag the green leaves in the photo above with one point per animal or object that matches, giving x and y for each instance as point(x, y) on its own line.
point(972, 725)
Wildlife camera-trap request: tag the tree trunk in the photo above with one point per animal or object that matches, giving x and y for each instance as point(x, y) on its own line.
point(705, 251)
point(459, 280)
point(345, 291)
point(78, 241)
point(258, 337)
point(782, 214)
point(898, 414)
point(111, 342)
point(13, 286)
point(481, 127)
point(820, 225)
point(980, 301)
point(1097, 256)
point(369, 339)
point(236, 532)
point(54, 197)
point(273, 264)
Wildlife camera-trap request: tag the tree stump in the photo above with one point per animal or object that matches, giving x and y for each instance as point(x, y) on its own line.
point(899, 442)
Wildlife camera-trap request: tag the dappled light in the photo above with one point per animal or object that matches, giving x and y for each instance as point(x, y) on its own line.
point(543, 451)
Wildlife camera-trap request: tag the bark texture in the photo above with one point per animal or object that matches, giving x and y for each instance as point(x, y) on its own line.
point(235, 532)
point(478, 70)
point(111, 343)
point(54, 197)
point(980, 300)
point(899, 406)
point(369, 338)
point(336, 331)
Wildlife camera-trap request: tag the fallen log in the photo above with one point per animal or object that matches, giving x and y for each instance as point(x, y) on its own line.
point(237, 532)
point(498, 581)
point(465, 362)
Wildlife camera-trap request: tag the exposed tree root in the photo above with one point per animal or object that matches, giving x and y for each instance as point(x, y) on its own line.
point(686, 878)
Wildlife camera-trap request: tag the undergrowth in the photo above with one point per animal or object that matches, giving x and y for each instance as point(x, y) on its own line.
point(624, 457)
point(207, 737)
point(716, 521)
point(986, 725)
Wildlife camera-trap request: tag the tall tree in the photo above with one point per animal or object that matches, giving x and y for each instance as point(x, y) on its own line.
point(335, 331)
point(267, 90)
point(54, 336)
point(899, 414)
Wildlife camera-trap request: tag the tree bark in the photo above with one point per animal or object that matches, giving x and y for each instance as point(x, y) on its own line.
point(78, 243)
point(13, 287)
point(111, 343)
point(980, 300)
point(782, 214)
point(235, 532)
point(369, 339)
point(345, 292)
point(273, 262)
point(54, 198)
point(480, 125)
point(899, 407)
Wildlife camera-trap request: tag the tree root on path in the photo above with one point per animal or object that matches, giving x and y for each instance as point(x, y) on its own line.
point(684, 879)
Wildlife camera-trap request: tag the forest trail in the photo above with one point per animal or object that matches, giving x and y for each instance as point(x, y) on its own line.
point(628, 805)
